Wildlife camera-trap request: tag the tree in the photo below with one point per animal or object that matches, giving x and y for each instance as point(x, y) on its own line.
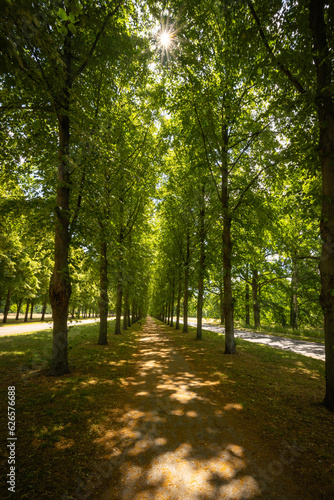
point(50, 51)
point(318, 41)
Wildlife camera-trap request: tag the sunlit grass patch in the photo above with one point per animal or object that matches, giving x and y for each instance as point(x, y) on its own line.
point(59, 419)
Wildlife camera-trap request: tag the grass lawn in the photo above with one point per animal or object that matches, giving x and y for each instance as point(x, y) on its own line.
point(278, 394)
point(58, 419)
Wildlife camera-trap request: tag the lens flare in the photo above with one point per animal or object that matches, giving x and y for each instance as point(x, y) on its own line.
point(165, 39)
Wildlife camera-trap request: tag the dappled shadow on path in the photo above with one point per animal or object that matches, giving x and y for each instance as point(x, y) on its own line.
point(174, 438)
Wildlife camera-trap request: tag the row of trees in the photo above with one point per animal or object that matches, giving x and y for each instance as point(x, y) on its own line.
point(250, 95)
point(274, 265)
point(244, 145)
point(80, 157)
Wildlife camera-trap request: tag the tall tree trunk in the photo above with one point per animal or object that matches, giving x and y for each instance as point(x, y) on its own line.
point(172, 304)
point(27, 312)
point(294, 296)
point(19, 304)
point(44, 306)
point(7, 306)
point(125, 311)
point(201, 269)
point(247, 312)
point(256, 304)
point(325, 108)
point(178, 306)
point(60, 286)
point(133, 305)
point(128, 313)
point(221, 302)
point(32, 308)
point(227, 246)
point(119, 296)
point(103, 303)
point(247, 315)
point(168, 313)
point(228, 299)
point(186, 279)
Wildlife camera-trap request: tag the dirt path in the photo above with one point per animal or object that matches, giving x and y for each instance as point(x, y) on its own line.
point(177, 438)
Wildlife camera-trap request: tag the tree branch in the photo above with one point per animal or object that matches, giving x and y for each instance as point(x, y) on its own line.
point(206, 152)
point(246, 189)
point(269, 50)
point(97, 38)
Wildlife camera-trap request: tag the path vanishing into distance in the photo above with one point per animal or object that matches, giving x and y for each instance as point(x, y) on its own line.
point(311, 349)
point(178, 437)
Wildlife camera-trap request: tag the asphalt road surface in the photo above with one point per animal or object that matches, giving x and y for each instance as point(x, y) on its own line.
point(13, 329)
point(312, 349)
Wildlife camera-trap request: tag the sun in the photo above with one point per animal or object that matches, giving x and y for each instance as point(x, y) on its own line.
point(165, 39)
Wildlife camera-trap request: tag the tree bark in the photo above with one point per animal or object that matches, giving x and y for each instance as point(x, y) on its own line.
point(221, 302)
point(119, 296)
point(201, 269)
point(294, 296)
point(227, 245)
point(27, 312)
point(119, 290)
point(247, 311)
point(186, 279)
point(19, 304)
point(325, 108)
point(247, 318)
point(133, 306)
point(7, 306)
point(60, 285)
point(32, 309)
point(103, 303)
point(256, 304)
point(178, 306)
point(125, 310)
point(228, 299)
point(172, 304)
point(128, 314)
point(44, 307)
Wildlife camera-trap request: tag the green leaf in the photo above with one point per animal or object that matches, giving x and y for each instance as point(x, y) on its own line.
point(71, 17)
point(72, 28)
point(62, 14)
point(64, 30)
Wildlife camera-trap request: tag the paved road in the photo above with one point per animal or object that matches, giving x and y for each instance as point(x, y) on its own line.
point(311, 349)
point(13, 329)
